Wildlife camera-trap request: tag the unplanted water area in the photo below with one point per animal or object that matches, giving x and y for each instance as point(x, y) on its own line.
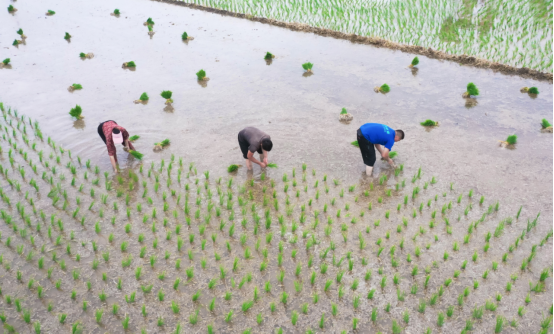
point(269, 214)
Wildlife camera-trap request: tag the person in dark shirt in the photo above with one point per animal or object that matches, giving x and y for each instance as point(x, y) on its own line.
point(373, 136)
point(112, 134)
point(254, 140)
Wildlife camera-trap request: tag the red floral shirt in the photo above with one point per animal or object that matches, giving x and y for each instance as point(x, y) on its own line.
point(108, 128)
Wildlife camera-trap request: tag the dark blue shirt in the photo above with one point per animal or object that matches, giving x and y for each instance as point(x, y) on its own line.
point(378, 134)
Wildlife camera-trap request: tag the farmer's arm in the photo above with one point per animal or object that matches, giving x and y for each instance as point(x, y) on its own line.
point(112, 152)
point(385, 154)
point(128, 145)
point(250, 157)
point(266, 155)
point(380, 149)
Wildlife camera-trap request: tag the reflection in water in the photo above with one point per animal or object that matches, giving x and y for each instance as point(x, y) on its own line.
point(414, 71)
point(307, 74)
point(470, 102)
point(202, 83)
point(79, 124)
point(169, 108)
point(268, 61)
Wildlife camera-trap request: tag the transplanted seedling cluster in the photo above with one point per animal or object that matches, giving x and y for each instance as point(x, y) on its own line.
point(429, 122)
point(471, 90)
point(384, 88)
point(165, 247)
point(344, 116)
point(161, 145)
point(74, 87)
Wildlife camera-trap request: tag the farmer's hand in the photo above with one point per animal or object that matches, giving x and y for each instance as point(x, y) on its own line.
point(125, 148)
point(265, 161)
point(263, 165)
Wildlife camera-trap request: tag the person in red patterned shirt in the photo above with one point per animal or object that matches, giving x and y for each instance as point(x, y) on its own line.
point(112, 134)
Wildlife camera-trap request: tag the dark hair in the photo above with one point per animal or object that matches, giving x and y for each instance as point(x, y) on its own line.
point(400, 133)
point(115, 130)
point(267, 144)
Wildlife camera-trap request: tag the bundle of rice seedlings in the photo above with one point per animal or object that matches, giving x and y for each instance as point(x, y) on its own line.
point(50, 12)
point(355, 143)
point(272, 165)
point(232, 168)
point(129, 64)
point(143, 98)
point(546, 126)
point(149, 22)
point(134, 138)
point(429, 122)
point(345, 116)
point(77, 112)
point(6, 62)
point(383, 89)
point(116, 12)
point(20, 33)
point(186, 37)
point(67, 36)
point(269, 56)
point(530, 90)
point(166, 94)
point(201, 75)
point(392, 154)
point(74, 87)
point(510, 141)
point(307, 66)
point(471, 90)
point(12, 9)
point(136, 154)
point(16, 42)
point(159, 146)
point(415, 61)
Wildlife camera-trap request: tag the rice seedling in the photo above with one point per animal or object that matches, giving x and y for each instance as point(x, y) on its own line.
point(307, 67)
point(50, 12)
point(12, 9)
point(76, 112)
point(384, 88)
point(201, 76)
point(67, 36)
point(429, 122)
point(511, 140)
point(167, 94)
point(415, 62)
point(6, 61)
point(269, 56)
point(129, 64)
point(471, 90)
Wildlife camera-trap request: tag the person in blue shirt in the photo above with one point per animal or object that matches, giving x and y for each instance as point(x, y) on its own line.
point(381, 137)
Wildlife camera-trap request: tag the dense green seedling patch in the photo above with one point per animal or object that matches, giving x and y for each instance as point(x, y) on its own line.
point(514, 32)
point(164, 247)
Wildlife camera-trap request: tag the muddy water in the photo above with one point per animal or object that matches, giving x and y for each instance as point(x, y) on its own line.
point(301, 114)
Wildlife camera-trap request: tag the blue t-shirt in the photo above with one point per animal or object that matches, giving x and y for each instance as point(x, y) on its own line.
point(378, 134)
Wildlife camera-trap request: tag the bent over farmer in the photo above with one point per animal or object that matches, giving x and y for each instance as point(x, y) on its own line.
point(112, 134)
point(254, 140)
point(373, 136)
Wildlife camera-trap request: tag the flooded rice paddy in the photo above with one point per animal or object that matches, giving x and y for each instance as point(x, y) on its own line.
point(76, 233)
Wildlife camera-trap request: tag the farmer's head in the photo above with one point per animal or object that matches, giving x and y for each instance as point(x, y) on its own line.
point(399, 135)
point(117, 136)
point(267, 145)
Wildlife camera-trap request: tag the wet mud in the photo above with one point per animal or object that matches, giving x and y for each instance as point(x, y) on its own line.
point(301, 117)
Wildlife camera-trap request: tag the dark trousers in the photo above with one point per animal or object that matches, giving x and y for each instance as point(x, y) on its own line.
point(367, 148)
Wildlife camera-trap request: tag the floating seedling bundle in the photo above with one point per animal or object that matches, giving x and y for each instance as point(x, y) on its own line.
point(89, 55)
point(161, 145)
point(415, 62)
point(186, 37)
point(129, 64)
point(50, 12)
point(134, 138)
point(67, 36)
point(532, 91)
point(384, 88)
point(344, 116)
point(77, 112)
point(308, 67)
point(5, 63)
point(269, 56)
point(546, 126)
point(429, 122)
point(20, 33)
point(471, 90)
point(75, 87)
point(201, 76)
point(12, 9)
point(143, 98)
point(116, 12)
point(166, 94)
point(510, 142)
point(136, 154)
